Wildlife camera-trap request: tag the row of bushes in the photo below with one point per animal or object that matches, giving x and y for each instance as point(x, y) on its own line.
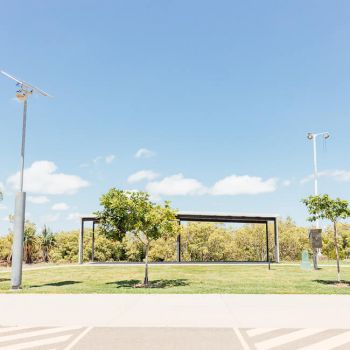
point(199, 242)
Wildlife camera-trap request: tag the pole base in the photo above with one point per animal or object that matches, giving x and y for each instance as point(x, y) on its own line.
point(18, 237)
point(15, 289)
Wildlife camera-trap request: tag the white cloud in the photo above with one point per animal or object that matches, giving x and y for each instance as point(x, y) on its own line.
point(286, 183)
point(60, 206)
point(97, 159)
point(2, 190)
point(107, 159)
point(3, 207)
point(306, 179)
point(142, 175)
point(74, 216)
point(41, 177)
point(38, 199)
point(144, 153)
point(338, 175)
point(237, 185)
point(50, 218)
point(176, 185)
point(155, 198)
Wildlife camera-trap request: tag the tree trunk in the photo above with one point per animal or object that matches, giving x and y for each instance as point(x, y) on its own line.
point(28, 255)
point(46, 254)
point(336, 250)
point(9, 259)
point(145, 281)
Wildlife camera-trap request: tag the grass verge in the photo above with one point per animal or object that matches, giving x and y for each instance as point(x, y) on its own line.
point(234, 279)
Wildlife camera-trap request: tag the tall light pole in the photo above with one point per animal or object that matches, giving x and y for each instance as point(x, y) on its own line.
point(24, 90)
point(313, 136)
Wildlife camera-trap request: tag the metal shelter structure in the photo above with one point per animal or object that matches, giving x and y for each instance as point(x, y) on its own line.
point(199, 217)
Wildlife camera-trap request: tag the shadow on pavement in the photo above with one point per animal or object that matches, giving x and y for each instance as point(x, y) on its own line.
point(153, 284)
point(55, 284)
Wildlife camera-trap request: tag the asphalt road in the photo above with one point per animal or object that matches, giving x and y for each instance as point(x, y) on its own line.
point(112, 338)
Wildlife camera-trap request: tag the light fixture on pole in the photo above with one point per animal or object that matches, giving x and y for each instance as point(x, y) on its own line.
point(24, 90)
point(313, 136)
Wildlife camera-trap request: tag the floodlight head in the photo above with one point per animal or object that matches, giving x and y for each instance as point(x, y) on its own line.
point(21, 96)
point(310, 135)
point(326, 135)
point(25, 88)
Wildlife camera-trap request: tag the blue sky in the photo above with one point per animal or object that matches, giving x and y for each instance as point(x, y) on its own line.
point(218, 94)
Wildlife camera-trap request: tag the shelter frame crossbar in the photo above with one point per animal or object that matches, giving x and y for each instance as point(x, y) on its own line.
point(198, 217)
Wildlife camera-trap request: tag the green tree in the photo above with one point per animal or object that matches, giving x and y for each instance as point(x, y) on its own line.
point(163, 249)
point(343, 233)
point(203, 241)
point(134, 249)
point(30, 242)
point(6, 248)
point(106, 249)
point(324, 207)
point(133, 212)
point(66, 247)
point(250, 243)
point(47, 241)
point(293, 239)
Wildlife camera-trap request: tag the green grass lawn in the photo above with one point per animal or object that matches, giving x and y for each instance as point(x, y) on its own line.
point(245, 279)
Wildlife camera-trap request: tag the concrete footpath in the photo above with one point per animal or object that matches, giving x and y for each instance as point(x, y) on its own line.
point(176, 310)
point(174, 322)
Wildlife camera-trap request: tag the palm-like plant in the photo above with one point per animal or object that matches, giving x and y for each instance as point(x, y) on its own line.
point(47, 241)
point(30, 239)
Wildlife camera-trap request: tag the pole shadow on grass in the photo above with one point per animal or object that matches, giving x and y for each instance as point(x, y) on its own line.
point(333, 283)
point(4, 279)
point(55, 284)
point(152, 284)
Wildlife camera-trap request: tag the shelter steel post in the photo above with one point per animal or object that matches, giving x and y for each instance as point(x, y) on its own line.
point(277, 245)
point(178, 246)
point(81, 242)
point(267, 245)
point(93, 242)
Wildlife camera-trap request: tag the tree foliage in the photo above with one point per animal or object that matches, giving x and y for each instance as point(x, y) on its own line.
point(30, 243)
point(6, 249)
point(324, 207)
point(47, 241)
point(343, 235)
point(134, 213)
point(199, 241)
point(206, 242)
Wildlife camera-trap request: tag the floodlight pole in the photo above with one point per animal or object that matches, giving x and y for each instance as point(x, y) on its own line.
point(22, 94)
point(313, 137)
point(24, 127)
point(19, 219)
point(315, 170)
